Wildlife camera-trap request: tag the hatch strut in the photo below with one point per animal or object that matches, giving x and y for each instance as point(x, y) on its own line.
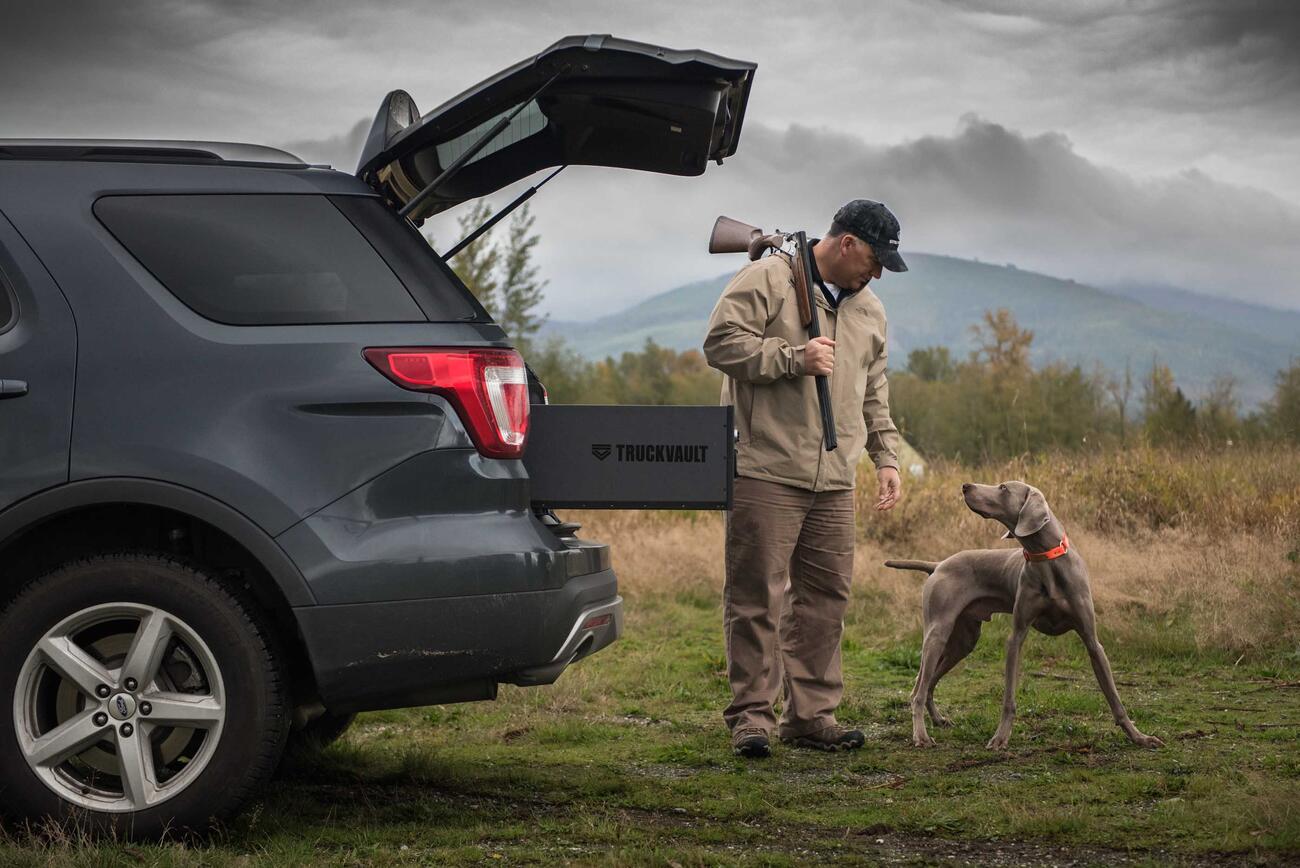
point(497, 217)
point(464, 158)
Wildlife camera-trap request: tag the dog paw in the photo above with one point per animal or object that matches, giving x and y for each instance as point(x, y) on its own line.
point(1142, 740)
point(923, 740)
point(998, 742)
point(941, 720)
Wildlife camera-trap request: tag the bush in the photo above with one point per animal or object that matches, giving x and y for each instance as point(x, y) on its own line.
point(1140, 489)
point(655, 375)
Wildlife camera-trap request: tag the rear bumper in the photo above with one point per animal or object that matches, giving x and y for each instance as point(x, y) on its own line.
point(435, 581)
point(453, 649)
point(595, 627)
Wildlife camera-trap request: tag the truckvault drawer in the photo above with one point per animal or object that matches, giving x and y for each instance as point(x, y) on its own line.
point(630, 457)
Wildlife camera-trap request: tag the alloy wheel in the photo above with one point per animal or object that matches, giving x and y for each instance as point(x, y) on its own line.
point(119, 707)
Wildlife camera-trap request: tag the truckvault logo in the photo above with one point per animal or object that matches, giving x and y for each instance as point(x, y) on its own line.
point(651, 453)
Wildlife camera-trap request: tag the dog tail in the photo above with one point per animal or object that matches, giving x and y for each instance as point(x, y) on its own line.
point(923, 566)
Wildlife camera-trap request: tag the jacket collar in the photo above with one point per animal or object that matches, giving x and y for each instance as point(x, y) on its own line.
point(832, 303)
point(847, 296)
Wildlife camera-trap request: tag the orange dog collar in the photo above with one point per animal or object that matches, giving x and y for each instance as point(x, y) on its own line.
point(1050, 554)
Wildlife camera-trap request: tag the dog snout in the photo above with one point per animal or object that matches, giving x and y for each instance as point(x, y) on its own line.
point(966, 487)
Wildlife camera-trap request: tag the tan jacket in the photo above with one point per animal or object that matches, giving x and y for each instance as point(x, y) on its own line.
point(756, 339)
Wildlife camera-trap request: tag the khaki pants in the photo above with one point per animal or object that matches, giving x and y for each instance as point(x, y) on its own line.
point(789, 567)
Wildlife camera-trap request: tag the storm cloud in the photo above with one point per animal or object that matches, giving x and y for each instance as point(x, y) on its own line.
point(1124, 140)
point(1146, 84)
point(1250, 44)
point(993, 193)
point(983, 192)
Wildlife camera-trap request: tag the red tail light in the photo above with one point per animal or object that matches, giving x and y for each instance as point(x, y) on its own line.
point(488, 388)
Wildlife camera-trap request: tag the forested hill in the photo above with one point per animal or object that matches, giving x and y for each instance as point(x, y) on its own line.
point(937, 301)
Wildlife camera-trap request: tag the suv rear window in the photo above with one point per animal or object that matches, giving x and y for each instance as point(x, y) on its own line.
point(282, 259)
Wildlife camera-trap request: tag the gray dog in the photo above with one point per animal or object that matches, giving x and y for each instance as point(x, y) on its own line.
point(1044, 585)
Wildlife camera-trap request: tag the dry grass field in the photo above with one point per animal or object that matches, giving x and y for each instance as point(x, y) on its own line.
point(1195, 559)
point(1206, 541)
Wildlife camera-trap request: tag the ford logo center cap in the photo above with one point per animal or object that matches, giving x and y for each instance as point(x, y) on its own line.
point(122, 706)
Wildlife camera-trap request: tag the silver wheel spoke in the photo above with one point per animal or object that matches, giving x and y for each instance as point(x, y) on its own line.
point(65, 740)
point(147, 648)
point(136, 762)
point(181, 709)
point(99, 768)
point(69, 660)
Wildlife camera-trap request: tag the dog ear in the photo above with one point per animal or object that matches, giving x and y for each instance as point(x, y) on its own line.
point(1033, 514)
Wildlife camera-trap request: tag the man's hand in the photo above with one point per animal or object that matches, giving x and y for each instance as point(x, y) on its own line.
point(819, 356)
point(889, 488)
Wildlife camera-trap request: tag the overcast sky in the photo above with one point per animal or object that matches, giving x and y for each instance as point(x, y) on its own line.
point(1108, 141)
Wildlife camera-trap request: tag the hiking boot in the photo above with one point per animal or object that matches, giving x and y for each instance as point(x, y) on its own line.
point(832, 738)
point(751, 743)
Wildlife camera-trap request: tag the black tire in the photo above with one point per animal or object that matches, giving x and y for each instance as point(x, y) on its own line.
point(238, 644)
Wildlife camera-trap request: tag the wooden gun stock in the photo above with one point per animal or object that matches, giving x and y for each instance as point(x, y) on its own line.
point(732, 236)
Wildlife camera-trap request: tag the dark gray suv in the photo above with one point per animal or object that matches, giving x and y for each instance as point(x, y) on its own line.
point(260, 449)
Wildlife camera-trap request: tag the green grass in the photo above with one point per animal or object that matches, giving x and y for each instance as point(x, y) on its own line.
point(625, 760)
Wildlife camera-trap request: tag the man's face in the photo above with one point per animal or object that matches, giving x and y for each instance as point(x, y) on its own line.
point(857, 263)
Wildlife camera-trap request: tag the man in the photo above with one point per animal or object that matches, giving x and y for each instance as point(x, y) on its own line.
point(790, 533)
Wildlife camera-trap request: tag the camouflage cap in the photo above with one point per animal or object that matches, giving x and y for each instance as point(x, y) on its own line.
point(876, 225)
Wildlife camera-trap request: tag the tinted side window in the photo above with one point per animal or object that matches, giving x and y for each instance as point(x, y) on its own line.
point(259, 259)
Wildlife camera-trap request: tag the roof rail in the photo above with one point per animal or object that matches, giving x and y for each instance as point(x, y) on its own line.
point(147, 151)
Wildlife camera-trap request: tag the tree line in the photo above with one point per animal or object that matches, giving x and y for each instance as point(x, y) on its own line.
point(503, 277)
point(995, 403)
point(992, 404)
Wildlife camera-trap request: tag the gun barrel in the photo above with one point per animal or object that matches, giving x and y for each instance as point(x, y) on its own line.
point(804, 283)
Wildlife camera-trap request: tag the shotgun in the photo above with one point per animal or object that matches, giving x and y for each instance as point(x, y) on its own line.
point(732, 236)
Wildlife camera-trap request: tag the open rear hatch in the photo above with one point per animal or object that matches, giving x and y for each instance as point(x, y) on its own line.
point(586, 100)
point(594, 101)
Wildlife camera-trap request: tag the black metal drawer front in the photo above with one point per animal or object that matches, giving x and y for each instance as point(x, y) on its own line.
point(630, 457)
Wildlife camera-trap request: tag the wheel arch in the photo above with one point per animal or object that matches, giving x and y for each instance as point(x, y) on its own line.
point(94, 516)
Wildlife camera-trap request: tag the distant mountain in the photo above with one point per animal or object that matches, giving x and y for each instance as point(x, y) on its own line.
point(1270, 322)
point(937, 301)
